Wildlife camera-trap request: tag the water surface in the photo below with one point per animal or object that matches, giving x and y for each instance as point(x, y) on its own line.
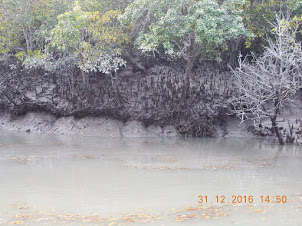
point(74, 180)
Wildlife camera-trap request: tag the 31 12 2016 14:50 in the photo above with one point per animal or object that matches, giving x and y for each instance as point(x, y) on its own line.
point(242, 199)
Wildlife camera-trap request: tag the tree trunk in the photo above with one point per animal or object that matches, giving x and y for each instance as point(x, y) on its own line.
point(137, 66)
point(236, 47)
point(274, 119)
point(190, 64)
point(287, 10)
point(277, 131)
point(28, 35)
point(86, 84)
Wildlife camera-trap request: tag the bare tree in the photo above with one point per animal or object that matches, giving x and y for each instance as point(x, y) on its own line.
point(266, 82)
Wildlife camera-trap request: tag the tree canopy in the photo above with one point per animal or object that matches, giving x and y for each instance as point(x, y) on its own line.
point(176, 25)
point(184, 29)
point(88, 40)
point(93, 34)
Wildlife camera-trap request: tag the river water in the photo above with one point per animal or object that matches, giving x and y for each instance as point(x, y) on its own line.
point(74, 180)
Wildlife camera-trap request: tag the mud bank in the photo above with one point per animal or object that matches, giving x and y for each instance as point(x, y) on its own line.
point(154, 98)
point(133, 104)
point(34, 122)
point(88, 126)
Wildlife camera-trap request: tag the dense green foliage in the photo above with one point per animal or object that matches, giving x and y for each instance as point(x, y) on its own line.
point(184, 27)
point(93, 34)
point(85, 39)
point(259, 15)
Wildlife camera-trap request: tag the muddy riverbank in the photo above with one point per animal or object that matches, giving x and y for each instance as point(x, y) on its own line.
point(153, 98)
point(132, 104)
point(34, 122)
point(87, 126)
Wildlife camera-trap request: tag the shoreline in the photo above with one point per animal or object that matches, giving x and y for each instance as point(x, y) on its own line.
point(36, 122)
point(40, 122)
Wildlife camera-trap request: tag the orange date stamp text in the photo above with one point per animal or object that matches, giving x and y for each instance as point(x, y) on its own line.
point(222, 199)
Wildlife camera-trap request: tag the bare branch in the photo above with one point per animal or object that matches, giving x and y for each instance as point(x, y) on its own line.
point(268, 81)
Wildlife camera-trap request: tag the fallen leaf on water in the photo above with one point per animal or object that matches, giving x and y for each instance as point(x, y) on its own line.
point(184, 217)
point(206, 217)
point(198, 208)
point(87, 157)
point(258, 211)
point(129, 219)
point(18, 222)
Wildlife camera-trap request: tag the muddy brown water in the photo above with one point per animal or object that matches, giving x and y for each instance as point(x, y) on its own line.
point(75, 180)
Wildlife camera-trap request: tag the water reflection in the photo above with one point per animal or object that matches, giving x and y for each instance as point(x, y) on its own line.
point(72, 180)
